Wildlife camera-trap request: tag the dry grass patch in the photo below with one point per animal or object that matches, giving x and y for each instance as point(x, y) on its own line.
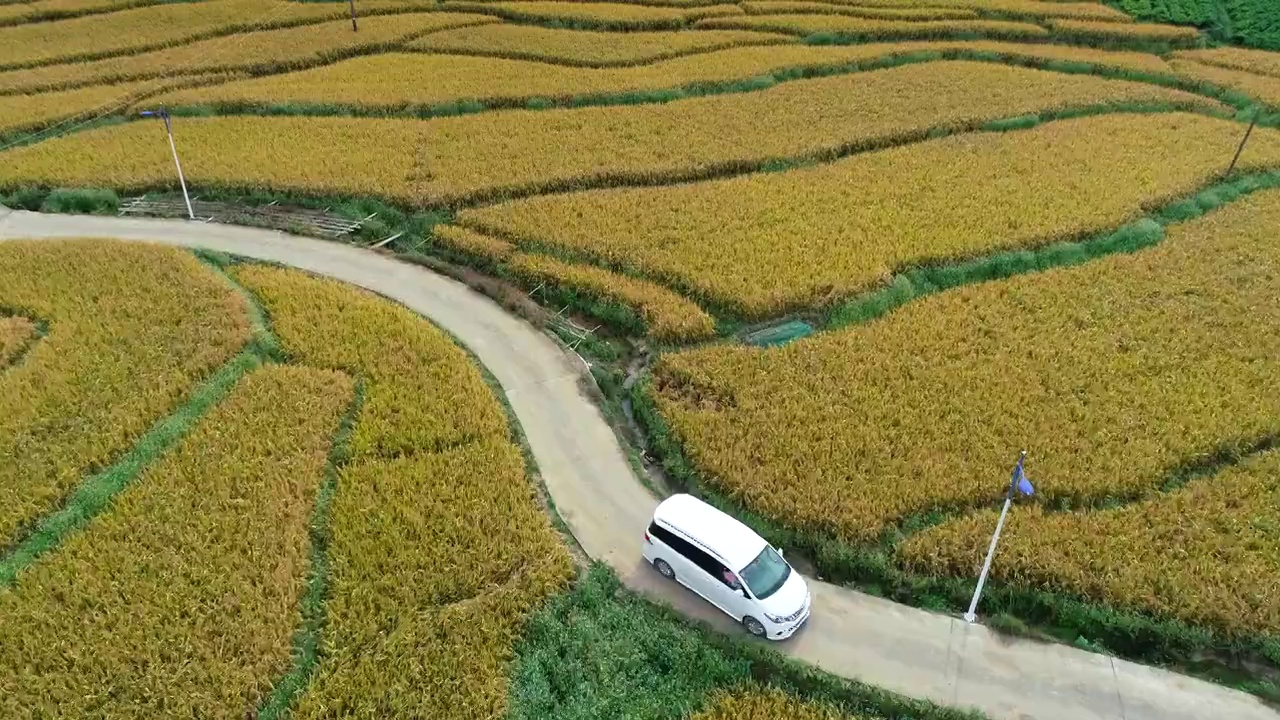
point(131, 329)
point(15, 333)
point(585, 47)
point(182, 599)
point(765, 243)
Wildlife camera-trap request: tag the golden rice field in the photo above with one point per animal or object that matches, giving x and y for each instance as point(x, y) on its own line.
point(1259, 62)
point(1109, 31)
point(186, 593)
point(167, 604)
point(457, 78)
point(131, 329)
point(870, 29)
point(280, 49)
point(19, 113)
point(711, 168)
point(766, 243)
point(439, 548)
point(612, 16)
point(1206, 553)
point(667, 316)
point(782, 7)
point(1038, 9)
point(1265, 88)
point(147, 28)
point(527, 151)
point(586, 47)
point(1111, 374)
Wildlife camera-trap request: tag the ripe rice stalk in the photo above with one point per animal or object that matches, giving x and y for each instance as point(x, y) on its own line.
point(131, 329)
point(273, 51)
point(667, 316)
point(781, 7)
point(439, 549)
point(1092, 31)
point(473, 245)
point(768, 243)
point(462, 81)
point(140, 29)
point(845, 27)
point(585, 47)
point(1258, 62)
point(1010, 8)
point(596, 15)
point(522, 152)
point(183, 596)
point(25, 113)
point(1112, 374)
point(1261, 87)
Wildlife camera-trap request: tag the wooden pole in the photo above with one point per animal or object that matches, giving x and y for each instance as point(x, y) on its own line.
point(353, 15)
point(1248, 132)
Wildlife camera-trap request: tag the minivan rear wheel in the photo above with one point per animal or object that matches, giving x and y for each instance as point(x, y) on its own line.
point(754, 626)
point(664, 569)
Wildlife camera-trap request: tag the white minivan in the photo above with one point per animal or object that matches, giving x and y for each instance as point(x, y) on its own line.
point(728, 564)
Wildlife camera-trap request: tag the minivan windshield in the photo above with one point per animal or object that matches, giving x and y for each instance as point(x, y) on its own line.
point(766, 573)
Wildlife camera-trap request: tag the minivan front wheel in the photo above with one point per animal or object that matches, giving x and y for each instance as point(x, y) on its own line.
point(664, 569)
point(753, 626)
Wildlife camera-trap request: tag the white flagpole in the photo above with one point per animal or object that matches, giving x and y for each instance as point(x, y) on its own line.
point(163, 114)
point(969, 616)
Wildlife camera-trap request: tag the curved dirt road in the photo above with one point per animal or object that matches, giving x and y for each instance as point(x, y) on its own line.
point(909, 651)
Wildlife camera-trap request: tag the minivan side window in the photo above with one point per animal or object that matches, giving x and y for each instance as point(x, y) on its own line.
point(695, 554)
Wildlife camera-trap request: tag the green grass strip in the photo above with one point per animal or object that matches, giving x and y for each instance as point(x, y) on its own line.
point(96, 493)
point(306, 642)
point(603, 651)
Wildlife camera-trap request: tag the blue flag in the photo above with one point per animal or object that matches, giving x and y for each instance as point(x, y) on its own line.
point(1020, 480)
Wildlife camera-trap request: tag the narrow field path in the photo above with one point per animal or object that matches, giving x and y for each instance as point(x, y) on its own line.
point(910, 651)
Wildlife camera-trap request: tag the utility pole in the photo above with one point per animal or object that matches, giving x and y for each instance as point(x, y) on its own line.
point(353, 15)
point(1256, 112)
point(163, 114)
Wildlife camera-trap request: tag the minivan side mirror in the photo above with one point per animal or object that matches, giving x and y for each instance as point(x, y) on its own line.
point(779, 551)
point(744, 592)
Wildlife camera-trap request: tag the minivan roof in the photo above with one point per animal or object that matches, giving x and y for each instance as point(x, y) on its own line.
point(735, 542)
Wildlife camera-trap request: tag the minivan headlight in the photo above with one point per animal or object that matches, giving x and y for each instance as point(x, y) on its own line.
point(777, 619)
